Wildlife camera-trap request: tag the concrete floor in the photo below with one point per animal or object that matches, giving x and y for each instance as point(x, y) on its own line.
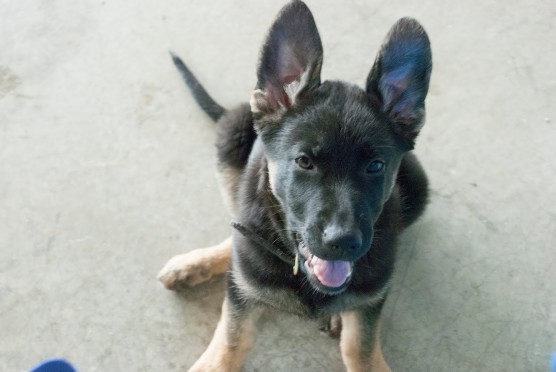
point(107, 170)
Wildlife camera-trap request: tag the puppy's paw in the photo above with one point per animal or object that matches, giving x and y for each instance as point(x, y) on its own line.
point(186, 270)
point(198, 266)
point(331, 325)
point(210, 367)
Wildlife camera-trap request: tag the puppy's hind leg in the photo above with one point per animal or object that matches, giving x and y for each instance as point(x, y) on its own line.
point(414, 188)
point(198, 266)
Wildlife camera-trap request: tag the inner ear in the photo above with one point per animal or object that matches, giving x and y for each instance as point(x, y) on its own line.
point(394, 84)
point(291, 59)
point(291, 78)
point(399, 80)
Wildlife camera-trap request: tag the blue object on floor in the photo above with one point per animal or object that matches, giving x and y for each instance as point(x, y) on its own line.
point(553, 363)
point(54, 365)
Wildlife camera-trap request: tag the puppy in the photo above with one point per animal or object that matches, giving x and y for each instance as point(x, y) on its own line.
point(320, 180)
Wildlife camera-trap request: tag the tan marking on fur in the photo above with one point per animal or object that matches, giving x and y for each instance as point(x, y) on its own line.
point(228, 179)
point(246, 289)
point(272, 176)
point(230, 344)
point(258, 102)
point(277, 298)
point(260, 106)
point(355, 358)
point(198, 266)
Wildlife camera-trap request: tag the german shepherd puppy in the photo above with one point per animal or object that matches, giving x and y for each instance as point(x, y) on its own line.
point(320, 181)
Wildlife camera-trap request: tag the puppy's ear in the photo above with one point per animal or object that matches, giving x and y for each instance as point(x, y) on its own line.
point(399, 80)
point(290, 62)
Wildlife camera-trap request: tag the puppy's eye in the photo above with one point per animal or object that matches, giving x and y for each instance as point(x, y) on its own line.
point(304, 162)
point(375, 166)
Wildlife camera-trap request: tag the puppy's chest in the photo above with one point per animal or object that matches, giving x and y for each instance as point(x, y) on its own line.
point(315, 305)
point(303, 301)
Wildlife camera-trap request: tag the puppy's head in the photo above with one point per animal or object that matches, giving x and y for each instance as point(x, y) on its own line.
point(334, 149)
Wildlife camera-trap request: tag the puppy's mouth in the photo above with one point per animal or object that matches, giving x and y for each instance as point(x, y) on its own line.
point(328, 276)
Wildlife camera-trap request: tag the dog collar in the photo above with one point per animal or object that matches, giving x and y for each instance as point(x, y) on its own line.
point(292, 261)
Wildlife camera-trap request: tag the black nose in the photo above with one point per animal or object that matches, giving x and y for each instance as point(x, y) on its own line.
point(340, 240)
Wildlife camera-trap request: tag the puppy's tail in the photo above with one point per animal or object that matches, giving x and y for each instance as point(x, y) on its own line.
point(209, 105)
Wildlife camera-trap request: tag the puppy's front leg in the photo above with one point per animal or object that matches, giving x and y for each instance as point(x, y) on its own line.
point(360, 341)
point(197, 266)
point(232, 339)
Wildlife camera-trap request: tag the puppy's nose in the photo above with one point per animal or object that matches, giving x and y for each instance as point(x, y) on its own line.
point(342, 240)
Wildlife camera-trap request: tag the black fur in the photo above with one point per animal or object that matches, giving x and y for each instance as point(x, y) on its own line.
point(213, 109)
point(235, 139)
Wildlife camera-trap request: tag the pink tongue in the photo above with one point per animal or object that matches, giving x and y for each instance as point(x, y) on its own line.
point(331, 273)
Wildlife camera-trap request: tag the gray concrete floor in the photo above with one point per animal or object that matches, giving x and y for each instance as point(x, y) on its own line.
point(107, 170)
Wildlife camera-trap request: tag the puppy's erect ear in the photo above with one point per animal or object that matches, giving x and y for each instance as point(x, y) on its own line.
point(399, 80)
point(291, 60)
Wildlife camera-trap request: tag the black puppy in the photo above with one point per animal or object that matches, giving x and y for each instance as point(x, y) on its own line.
point(320, 181)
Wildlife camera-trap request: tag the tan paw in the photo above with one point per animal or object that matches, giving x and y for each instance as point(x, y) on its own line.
point(183, 270)
point(198, 266)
